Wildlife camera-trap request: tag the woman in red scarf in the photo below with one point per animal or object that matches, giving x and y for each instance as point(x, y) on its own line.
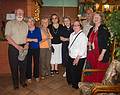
point(98, 54)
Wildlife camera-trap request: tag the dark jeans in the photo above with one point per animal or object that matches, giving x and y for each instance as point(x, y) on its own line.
point(17, 67)
point(74, 72)
point(35, 54)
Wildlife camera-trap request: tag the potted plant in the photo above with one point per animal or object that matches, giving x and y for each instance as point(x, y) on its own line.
point(113, 23)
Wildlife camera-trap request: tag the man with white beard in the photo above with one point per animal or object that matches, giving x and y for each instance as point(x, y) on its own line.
point(16, 32)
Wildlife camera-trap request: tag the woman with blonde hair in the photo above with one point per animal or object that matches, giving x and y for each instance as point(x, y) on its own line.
point(98, 54)
point(33, 38)
point(45, 48)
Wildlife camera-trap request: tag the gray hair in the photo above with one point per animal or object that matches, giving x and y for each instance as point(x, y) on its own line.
point(31, 18)
point(66, 17)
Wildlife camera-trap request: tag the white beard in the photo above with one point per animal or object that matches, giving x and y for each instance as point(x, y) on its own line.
point(19, 18)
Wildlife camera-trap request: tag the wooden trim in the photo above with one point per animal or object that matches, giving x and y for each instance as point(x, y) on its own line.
point(91, 70)
point(106, 89)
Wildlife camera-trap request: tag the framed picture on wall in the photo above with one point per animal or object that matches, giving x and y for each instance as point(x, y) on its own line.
point(10, 16)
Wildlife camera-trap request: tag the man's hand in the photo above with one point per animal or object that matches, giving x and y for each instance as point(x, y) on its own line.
point(20, 48)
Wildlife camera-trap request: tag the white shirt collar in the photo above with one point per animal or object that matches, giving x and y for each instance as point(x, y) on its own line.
point(74, 33)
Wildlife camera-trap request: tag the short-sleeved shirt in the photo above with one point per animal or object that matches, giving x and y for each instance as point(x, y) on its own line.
point(35, 34)
point(66, 32)
point(17, 31)
point(55, 33)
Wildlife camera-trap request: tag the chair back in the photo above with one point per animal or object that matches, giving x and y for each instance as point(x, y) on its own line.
point(112, 74)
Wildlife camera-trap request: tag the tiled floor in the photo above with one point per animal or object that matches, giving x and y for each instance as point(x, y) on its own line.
point(56, 85)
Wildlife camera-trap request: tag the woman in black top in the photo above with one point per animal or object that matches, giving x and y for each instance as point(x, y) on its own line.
point(65, 34)
point(55, 30)
point(98, 54)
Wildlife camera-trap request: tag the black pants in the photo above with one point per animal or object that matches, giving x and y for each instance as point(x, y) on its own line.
point(17, 67)
point(74, 72)
point(35, 54)
point(64, 52)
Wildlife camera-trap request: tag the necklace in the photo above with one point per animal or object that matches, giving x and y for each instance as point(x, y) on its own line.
point(55, 30)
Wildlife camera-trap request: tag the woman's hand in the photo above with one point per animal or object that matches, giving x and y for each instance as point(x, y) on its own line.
point(31, 40)
point(64, 39)
point(35, 40)
point(89, 43)
point(75, 62)
point(100, 58)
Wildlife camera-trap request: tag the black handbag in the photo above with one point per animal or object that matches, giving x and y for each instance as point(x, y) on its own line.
point(52, 49)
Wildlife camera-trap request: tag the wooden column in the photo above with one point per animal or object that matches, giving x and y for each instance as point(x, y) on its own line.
point(29, 7)
point(4, 63)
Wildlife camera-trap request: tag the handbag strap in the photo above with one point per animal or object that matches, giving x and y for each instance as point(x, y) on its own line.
point(74, 39)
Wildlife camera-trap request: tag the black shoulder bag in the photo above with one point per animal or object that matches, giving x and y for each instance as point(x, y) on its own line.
point(74, 39)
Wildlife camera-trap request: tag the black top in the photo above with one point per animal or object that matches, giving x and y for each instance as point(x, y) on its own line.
point(66, 32)
point(103, 40)
point(55, 33)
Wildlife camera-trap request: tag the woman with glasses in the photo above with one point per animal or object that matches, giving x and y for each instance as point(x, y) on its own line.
point(77, 54)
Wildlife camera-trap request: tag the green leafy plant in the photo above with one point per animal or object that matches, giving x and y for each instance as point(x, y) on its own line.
point(113, 23)
point(117, 53)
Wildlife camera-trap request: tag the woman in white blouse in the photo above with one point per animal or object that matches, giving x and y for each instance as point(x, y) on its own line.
point(77, 54)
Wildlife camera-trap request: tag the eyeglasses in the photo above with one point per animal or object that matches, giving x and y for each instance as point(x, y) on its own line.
point(76, 25)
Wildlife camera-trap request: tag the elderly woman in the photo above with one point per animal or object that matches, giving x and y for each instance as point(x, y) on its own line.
point(77, 55)
point(33, 38)
point(98, 54)
point(65, 34)
point(45, 48)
